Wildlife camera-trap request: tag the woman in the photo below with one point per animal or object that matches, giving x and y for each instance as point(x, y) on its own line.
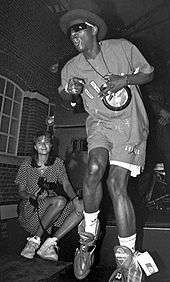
point(42, 205)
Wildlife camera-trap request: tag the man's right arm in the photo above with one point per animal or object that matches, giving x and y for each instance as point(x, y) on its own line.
point(68, 99)
point(70, 96)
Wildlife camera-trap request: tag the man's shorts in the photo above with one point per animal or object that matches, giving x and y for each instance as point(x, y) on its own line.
point(101, 134)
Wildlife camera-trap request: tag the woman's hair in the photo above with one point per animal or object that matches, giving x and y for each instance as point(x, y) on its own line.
point(52, 154)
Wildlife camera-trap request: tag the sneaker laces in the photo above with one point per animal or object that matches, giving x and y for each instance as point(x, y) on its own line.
point(135, 270)
point(32, 241)
point(87, 242)
point(51, 245)
point(85, 238)
point(31, 246)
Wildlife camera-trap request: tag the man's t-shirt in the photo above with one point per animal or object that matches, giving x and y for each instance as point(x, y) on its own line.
point(120, 57)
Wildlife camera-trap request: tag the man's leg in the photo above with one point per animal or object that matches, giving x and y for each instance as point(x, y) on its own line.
point(127, 268)
point(89, 228)
point(97, 162)
point(125, 217)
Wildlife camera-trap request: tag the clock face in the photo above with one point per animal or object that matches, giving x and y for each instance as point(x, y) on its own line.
point(119, 100)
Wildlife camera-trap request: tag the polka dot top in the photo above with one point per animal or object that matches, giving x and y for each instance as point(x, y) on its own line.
point(27, 176)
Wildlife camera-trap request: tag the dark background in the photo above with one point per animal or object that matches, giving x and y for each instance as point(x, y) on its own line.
point(31, 41)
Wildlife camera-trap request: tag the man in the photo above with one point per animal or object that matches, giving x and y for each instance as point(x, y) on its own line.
point(117, 128)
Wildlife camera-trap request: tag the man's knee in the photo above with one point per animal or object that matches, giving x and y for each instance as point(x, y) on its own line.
point(95, 167)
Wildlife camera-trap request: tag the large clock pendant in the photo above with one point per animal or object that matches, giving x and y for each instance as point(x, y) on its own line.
point(119, 100)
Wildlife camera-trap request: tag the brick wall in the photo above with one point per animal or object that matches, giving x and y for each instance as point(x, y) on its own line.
point(8, 193)
point(66, 136)
point(34, 114)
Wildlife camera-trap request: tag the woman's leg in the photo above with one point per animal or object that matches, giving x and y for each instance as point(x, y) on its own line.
point(70, 222)
point(54, 206)
point(49, 250)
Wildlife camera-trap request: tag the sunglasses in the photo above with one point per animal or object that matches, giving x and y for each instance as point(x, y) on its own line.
point(76, 28)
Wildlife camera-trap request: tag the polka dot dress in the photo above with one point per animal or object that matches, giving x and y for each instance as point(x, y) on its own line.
point(27, 179)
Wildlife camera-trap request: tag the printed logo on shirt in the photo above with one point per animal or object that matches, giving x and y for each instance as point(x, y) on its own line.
point(92, 90)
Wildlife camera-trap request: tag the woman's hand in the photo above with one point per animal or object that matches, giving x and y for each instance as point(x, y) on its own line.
point(78, 204)
point(32, 196)
point(42, 195)
point(33, 202)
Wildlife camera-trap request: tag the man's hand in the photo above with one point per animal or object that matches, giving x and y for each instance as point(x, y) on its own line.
point(75, 87)
point(164, 117)
point(113, 83)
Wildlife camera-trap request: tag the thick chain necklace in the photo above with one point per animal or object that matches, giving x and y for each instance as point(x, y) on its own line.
point(96, 71)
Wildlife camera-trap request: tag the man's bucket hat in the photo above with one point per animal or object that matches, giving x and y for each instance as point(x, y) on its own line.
point(87, 11)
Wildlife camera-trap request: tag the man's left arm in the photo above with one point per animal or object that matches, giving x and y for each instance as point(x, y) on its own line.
point(141, 71)
point(117, 82)
point(138, 78)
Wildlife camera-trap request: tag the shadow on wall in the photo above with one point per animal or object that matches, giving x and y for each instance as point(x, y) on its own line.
point(76, 165)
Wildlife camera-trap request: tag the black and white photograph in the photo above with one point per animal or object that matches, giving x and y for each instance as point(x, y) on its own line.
point(85, 141)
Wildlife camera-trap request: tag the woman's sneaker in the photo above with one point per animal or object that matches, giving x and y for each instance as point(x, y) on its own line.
point(49, 250)
point(31, 246)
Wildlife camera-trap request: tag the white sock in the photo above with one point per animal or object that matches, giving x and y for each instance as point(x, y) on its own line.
point(128, 242)
point(90, 221)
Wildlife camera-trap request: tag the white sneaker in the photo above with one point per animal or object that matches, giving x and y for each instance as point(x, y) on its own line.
point(31, 246)
point(49, 250)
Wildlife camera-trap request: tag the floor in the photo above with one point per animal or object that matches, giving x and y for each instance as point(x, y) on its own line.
point(14, 268)
point(21, 270)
